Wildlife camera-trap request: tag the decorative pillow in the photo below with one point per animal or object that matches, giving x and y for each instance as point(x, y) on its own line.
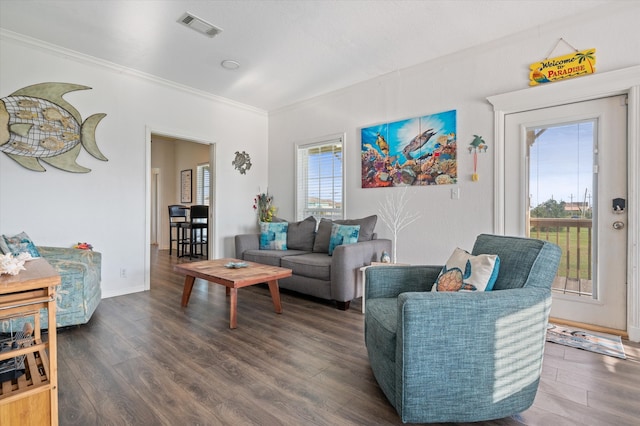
point(343, 234)
point(323, 235)
point(273, 235)
point(17, 244)
point(300, 235)
point(466, 272)
point(3, 246)
point(367, 225)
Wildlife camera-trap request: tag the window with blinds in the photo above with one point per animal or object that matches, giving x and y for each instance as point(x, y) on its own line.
point(319, 177)
point(202, 184)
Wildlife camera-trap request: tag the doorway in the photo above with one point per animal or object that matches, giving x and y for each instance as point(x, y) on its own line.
point(571, 168)
point(178, 153)
point(625, 81)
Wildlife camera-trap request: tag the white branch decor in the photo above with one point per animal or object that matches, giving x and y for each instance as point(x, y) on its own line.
point(396, 216)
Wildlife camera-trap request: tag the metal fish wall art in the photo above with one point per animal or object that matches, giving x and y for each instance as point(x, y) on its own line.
point(38, 125)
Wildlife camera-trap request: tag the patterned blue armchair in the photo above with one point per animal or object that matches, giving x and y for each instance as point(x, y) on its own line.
point(461, 356)
point(79, 292)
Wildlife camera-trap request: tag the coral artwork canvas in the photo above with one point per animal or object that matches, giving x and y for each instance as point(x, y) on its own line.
point(417, 151)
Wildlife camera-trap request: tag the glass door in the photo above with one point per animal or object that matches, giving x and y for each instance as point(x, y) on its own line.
point(571, 190)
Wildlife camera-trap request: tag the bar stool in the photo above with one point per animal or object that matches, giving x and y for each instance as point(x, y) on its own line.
point(177, 217)
point(197, 225)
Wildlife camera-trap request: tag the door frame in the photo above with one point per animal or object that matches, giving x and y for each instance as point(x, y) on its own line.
point(211, 232)
point(154, 218)
point(619, 82)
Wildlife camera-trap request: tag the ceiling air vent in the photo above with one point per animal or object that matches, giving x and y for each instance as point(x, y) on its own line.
point(199, 25)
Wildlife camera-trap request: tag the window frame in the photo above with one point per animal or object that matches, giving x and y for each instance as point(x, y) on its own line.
point(302, 187)
point(202, 191)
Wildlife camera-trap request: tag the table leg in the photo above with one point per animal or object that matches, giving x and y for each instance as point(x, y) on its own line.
point(188, 286)
point(275, 295)
point(233, 305)
point(53, 358)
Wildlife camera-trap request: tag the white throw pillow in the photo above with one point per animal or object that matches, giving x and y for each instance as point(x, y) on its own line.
point(466, 272)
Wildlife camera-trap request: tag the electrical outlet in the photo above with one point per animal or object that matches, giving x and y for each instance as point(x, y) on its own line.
point(123, 273)
point(455, 193)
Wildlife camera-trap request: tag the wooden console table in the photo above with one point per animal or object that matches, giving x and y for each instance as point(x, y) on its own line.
point(32, 398)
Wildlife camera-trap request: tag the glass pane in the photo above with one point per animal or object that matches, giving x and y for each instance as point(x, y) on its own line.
point(320, 184)
point(561, 187)
point(202, 184)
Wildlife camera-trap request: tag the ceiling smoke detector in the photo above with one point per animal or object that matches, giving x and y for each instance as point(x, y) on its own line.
point(199, 25)
point(228, 64)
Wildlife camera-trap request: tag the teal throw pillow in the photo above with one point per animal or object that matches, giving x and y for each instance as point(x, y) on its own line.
point(466, 272)
point(20, 243)
point(273, 235)
point(342, 235)
point(367, 226)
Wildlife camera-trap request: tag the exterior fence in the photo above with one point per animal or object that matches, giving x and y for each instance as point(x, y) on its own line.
point(575, 238)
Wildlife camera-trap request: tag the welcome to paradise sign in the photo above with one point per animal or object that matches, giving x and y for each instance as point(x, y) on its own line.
point(561, 67)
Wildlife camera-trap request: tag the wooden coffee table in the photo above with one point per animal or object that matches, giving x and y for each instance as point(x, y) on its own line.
point(232, 278)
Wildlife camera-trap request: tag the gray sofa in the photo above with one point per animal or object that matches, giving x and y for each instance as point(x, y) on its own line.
point(316, 273)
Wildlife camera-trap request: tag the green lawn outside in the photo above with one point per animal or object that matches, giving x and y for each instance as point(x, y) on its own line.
point(570, 248)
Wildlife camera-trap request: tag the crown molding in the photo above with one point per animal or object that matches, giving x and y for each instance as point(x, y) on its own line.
point(120, 69)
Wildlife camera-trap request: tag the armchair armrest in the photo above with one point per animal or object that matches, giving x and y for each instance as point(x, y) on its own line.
point(346, 263)
point(456, 343)
point(246, 242)
point(390, 281)
point(70, 254)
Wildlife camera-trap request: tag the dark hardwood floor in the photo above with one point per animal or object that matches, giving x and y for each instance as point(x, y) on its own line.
point(144, 360)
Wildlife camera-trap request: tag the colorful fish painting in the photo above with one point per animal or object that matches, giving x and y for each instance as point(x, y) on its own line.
point(38, 125)
point(418, 151)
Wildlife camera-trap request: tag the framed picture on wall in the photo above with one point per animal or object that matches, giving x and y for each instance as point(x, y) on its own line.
point(418, 151)
point(185, 186)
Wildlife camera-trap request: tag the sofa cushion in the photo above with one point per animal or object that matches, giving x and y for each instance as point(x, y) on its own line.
point(466, 272)
point(269, 257)
point(301, 235)
point(367, 226)
point(20, 243)
point(312, 265)
point(323, 235)
point(342, 235)
point(273, 236)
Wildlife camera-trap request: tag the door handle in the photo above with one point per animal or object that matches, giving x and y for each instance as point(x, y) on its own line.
point(618, 225)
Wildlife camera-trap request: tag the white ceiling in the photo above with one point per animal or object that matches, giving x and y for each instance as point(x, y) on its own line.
point(288, 50)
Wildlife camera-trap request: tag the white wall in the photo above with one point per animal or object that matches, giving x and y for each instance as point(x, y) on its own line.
point(462, 82)
point(107, 207)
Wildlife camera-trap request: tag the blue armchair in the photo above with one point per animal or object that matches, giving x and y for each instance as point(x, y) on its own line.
point(79, 292)
point(462, 356)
